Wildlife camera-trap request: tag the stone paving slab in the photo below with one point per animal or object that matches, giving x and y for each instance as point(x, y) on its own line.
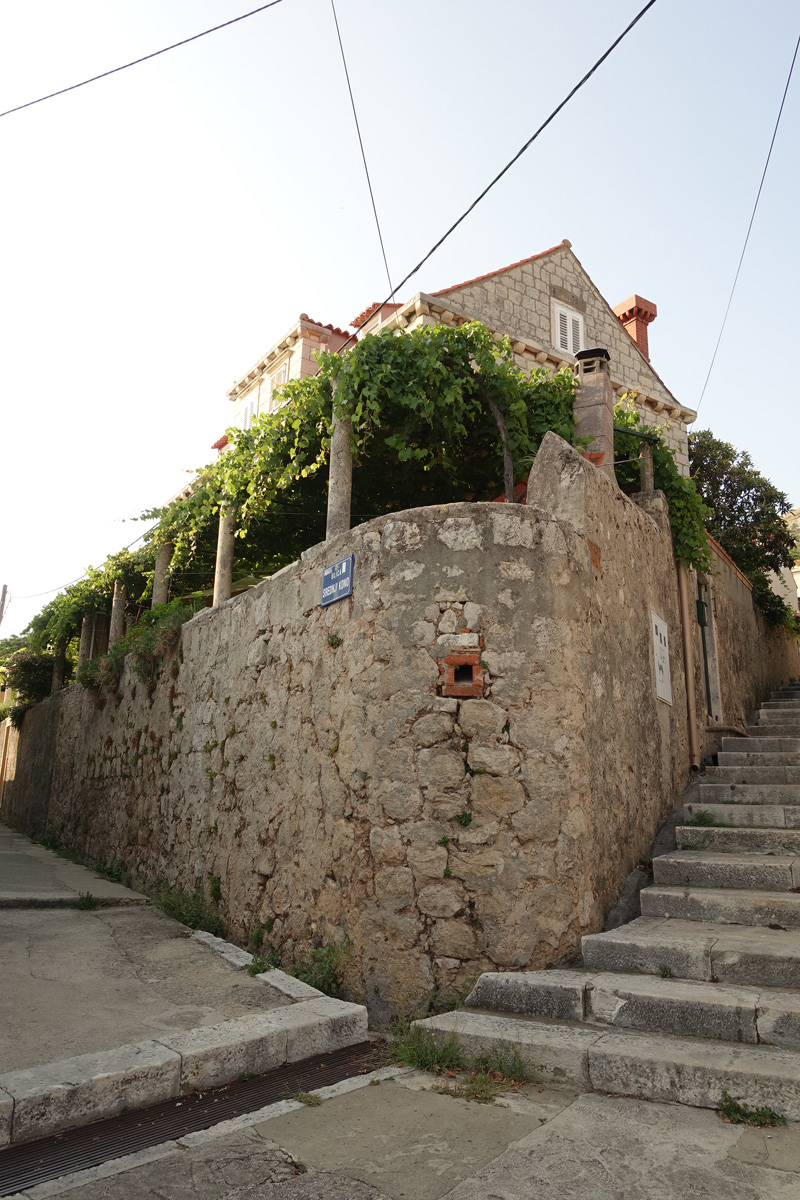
point(78, 982)
point(401, 1140)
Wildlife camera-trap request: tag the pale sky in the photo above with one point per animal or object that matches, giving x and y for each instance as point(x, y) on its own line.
point(162, 228)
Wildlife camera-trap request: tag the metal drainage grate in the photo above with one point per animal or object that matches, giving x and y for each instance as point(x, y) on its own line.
point(77, 1149)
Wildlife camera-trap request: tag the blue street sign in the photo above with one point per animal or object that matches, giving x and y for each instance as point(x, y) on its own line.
point(337, 581)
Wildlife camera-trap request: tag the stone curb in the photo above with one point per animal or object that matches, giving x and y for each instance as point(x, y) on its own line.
point(129, 1162)
point(42, 1100)
point(293, 989)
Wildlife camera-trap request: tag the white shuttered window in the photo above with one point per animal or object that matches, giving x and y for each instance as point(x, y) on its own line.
point(568, 332)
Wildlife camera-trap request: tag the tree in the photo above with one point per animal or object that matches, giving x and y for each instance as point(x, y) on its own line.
point(746, 516)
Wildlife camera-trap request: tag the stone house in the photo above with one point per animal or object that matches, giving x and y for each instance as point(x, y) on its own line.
point(547, 304)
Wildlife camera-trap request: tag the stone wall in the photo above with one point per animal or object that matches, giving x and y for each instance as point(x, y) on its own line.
point(26, 792)
point(312, 760)
point(753, 657)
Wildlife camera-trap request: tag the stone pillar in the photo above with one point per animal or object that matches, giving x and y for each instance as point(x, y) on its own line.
point(85, 647)
point(594, 406)
point(58, 667)
point(340, 477)
point(117, 627)
point(223, 569)
point(646, 476)
point(161, 575)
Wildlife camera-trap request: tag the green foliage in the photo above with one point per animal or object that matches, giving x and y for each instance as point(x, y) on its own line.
point(464, 818)
point(687, 512)
point(307, 1098)
point(739, 1113)
point(323, 967)
point(264, 962)
point(86, 901)
point(704, 819)
point(425, 1049)
point(492, 1074)
point(745, 515)
point(190, 908)
point(148, 643)
point(30, 675)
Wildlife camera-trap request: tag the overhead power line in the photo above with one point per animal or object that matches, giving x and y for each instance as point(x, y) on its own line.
point(511, 161)
point(750, 226)
point(361, 144)
point(145, 58)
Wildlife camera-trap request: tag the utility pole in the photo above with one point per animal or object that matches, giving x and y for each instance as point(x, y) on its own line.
point(3, 602)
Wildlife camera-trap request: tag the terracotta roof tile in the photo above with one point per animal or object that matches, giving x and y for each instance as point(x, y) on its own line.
point(220, 442)
point(333, 328)
point(369, 311)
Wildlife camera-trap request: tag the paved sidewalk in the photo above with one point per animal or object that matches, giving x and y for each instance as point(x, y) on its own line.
point(404, 1141)
point(32, 877)
point(78, 981)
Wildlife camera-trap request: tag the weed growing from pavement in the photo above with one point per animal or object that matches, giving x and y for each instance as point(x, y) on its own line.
point(86, 901)
point(664, 971)
point(414, 1046)
point(190, 908)
point(307, 1098)
point(323, 967)
point(704, 818)
point(264, 962)
point(736, 1112)
point(491, 1074)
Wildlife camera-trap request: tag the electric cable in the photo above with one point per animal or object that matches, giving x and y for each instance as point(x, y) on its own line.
point(145, 58)
point(511, 161)
point(361, 144)
point(750, 226)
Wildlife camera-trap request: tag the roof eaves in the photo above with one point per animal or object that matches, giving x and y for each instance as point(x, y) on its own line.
point(565, 245)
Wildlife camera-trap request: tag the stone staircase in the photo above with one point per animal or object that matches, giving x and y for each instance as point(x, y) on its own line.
point(701, 994)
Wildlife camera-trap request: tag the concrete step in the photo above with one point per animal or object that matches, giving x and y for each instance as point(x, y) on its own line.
point(723, 906)
point(769, 816)
point(773, 773)
point(736, 841)
point(789, 731)
point(680, 949)
point(780, 705)
point(750, 793)
point(673, 1006)
point(778, 717)
point(778, 745)
point(758, 759)
point(689, 1071)
point(698, 868)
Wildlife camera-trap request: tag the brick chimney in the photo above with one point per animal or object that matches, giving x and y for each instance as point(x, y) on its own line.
point(636, 314)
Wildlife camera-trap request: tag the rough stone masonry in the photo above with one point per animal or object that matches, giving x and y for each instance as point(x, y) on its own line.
point(455, 768)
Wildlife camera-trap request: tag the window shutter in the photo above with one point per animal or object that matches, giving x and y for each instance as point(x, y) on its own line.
point(576, 335)
point(563, 331)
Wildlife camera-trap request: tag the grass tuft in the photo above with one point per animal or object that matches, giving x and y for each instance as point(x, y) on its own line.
point(738, 1113)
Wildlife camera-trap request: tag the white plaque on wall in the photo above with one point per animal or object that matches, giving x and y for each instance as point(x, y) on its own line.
point(661, 652)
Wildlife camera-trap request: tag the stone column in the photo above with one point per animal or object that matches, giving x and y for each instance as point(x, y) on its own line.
point(58, 667)
point(223, 569)
point(340, 477)
point(646, 477)
point(85, 647)
point(117, 627)
point(161, 575)
point(594, 406)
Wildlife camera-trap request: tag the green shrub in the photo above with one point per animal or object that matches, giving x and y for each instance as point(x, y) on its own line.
point(190, 908)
